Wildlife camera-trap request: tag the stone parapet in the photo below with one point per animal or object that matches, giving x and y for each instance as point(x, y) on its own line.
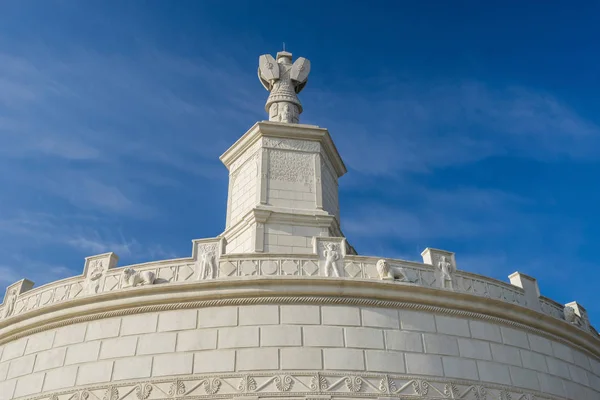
point(208, 262)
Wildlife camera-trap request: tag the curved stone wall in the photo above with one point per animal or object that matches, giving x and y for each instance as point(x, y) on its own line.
point(262, 325)
point(269, 350)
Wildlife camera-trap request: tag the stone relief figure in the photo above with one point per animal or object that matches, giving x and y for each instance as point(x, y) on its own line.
point(133, 278)
point(207, 259)
point(571, 317)
point(397, 273)
point(284, 81)
point(332, 256)
point(384, 271)
point(92, 281)
point(446, 269)
point(11, 299)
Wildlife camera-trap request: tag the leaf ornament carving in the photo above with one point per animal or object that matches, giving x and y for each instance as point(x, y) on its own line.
point(112, 393)
point(318, 382)
point(480, 392)
point(176, 388)
point(143, 390)
point(284, 383)
point(387, 385)
point(354, 383)
point(451, 390)
point(247, 384)
point(212, 386)
point(421, 387)
point(504, 395)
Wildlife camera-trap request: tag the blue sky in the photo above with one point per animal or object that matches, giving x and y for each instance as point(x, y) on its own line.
point(468, 126)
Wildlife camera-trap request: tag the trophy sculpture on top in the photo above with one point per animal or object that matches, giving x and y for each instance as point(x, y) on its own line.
point(284, 81)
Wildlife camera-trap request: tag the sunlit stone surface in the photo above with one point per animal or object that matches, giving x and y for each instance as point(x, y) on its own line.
point(280, 305)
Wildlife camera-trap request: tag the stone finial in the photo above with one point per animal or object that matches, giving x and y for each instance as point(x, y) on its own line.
point(95, 269)
point(530, 286)
point(283, 80)
point(12, 294)
point(445, 266)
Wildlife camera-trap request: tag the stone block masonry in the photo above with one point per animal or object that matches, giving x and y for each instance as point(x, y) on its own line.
point(317, 338)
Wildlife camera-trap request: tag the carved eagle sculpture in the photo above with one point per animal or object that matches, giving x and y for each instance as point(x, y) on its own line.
point(269, 72)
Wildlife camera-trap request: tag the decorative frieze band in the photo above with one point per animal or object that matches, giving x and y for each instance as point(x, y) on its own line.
point(304, 384)
point(209, 262)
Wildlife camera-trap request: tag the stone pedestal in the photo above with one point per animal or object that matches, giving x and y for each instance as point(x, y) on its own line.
point(283, 189)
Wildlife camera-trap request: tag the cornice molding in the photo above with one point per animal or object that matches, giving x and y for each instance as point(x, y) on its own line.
point(292, 290)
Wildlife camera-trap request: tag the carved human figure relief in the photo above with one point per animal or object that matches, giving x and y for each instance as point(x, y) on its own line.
point(284, 81)
point(384, 271)
point(92, 281)
point(133, 278)
point(11, 299)
point(332, 256)
point(207, 256)
point(446, 269)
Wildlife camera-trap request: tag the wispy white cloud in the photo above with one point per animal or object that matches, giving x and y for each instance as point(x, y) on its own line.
point(420, 128)
point(422, 213)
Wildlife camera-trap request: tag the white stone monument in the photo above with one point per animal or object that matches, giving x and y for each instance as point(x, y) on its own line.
point(280, 306)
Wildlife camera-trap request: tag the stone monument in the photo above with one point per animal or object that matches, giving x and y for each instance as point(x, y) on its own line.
point(281, 306)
